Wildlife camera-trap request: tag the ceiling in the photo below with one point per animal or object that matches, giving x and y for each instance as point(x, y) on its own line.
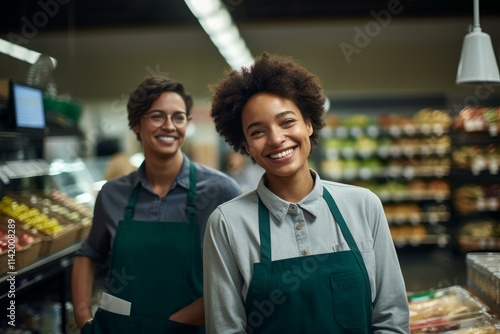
point(64, 14)
point(103, 46)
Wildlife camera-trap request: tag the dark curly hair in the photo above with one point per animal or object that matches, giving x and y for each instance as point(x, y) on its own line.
point(148, 91)
point(280, 75)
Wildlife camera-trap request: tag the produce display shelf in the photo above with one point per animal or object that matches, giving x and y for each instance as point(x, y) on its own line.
point(45, 268)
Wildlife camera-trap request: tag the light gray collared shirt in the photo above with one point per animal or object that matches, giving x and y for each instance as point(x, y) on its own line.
point(232, 246)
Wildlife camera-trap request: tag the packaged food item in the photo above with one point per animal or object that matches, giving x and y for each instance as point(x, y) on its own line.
point(443, 302)
point(483, 277)
point(449, 323)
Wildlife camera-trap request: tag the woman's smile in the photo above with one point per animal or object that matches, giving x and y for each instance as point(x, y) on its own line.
point(282, 154)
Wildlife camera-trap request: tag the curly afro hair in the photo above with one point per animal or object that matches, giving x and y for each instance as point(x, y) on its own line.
point(280, 75)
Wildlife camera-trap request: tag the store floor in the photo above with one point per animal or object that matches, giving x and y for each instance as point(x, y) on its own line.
point(425, 269)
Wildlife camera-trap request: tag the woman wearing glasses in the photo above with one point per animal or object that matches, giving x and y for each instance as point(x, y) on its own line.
point(148, 226)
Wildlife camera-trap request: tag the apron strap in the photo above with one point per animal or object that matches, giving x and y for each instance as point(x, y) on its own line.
point(346, 233)
point(191, 206)
point(265, 234)
point(129, 209)
point(340, 220)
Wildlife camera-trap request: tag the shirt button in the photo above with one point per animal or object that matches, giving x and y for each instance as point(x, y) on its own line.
point(304, 252)
point(164, 199)
point(293, 208)
point(298, 227)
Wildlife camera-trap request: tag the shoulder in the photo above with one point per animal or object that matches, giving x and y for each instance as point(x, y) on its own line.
point(211, 177)
point(123, 184)
point(239, 211)
point(250, 199)
point(240, 208)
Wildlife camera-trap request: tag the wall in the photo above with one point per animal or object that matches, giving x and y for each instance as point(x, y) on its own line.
point(393, 56)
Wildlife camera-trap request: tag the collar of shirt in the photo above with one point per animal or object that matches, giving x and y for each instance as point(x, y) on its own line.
point(182, 178)
point(278, 207)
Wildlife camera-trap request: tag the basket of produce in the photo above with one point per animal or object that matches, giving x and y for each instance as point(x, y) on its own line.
point(63, 208)
point(26, 247)
point(55, 234)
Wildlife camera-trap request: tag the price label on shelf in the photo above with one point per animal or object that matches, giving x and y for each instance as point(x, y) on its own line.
point(426, 129)
point(372, 131)
point(442, 241)
point(409, 129)
point(438, 129)
point(493, 166)
point(341, 132)
point(348, 152)
point(365, 173)
point(492, 203)
point(493, 130)
point(433, 218)
point(478, 165)
point(356, 131)
point(481, 204)
point(395, 130)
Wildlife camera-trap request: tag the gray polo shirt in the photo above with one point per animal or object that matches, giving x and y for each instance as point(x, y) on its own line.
point(232, 246)
point(212, 188)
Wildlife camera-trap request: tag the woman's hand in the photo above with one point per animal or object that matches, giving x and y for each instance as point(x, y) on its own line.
point(193, 314)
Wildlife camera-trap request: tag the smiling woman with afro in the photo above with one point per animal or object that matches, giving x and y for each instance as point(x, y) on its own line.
point(280, 75)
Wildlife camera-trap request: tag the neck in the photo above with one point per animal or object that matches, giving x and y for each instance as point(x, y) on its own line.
point(161, 173)
point(293, 188)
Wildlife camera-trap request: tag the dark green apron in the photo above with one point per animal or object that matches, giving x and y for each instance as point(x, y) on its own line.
point(324, 293)
point(157, 266)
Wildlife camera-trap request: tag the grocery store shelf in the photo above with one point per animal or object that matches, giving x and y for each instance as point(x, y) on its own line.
point(43, 269)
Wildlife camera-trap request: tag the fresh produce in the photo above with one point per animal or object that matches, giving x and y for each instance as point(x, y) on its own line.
point(21, 241)
point(31, 218)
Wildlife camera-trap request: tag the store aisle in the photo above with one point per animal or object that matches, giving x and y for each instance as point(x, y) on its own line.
point(436, 268)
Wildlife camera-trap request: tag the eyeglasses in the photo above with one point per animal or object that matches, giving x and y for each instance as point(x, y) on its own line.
point(157, 119)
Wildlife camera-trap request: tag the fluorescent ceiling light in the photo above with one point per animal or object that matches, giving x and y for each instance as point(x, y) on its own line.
point(212, 24)
point(21, 53)
point(219, 26)
point(202, 8)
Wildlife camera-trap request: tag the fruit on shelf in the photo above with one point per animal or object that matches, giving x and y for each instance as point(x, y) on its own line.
point(479, 234)
point(466, 198)
point(478, 119)
point(332, 143)
point(21, 241)
point(365, 146)
point(31, 218)
point(430, 116)
point(358, 120)
point(332, 120)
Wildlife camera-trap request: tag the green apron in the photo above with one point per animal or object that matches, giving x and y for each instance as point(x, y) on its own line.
point(157, 266)
point(324, 293)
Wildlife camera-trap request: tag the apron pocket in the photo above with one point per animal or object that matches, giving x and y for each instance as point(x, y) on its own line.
point(108, 323)
point(86, 329)
point(349, 297)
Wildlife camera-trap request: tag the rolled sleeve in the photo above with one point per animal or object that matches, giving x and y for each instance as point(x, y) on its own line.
point(98, 243)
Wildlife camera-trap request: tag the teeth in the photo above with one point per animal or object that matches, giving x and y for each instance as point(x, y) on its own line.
point(281, 154)
point(166, 138)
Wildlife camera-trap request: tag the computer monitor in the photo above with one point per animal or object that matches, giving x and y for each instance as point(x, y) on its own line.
point(27, 108)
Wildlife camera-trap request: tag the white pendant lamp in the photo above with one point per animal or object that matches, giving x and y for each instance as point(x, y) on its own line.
point(477, 61)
